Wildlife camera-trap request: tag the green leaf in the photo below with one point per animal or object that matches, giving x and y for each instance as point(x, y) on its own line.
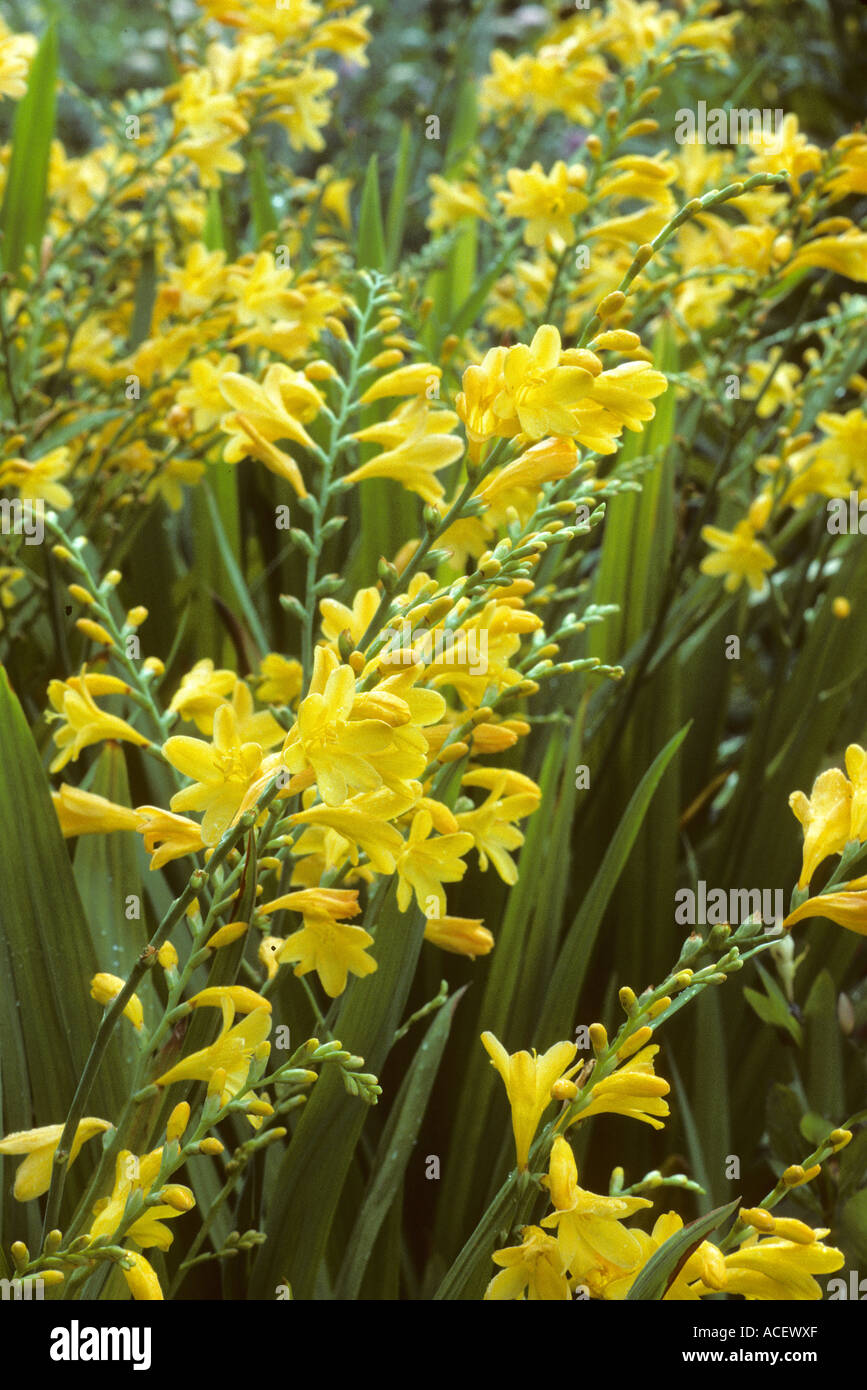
point(506, 980)
point(227, 503)
point(395, 218)
point(371, 237)
point(463, 128)
point(693, 1138)
point(473, 306)
point(823, 1081)
point(48, 1020)
point(568, 975)
point(853, 1225)
point(395, 1148)
point(815, 1128)
point(783, 1121)
point(213, 234)
point(79, 427)
point(773, 1012)
point(145, 298)
point(264, 217)
point(314, 1169)
point(853, 1165)
point(22, 216)
point(661, 1271)
point(107, 873)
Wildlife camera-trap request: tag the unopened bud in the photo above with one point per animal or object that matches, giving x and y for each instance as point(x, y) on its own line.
point(611, 304)
point(178, 1197)
point(627, 999)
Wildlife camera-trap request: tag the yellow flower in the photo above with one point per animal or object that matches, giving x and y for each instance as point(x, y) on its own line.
point(39, 481)
point(632, 229)
point(826, 818)
point(222, 772)
point(345, 35)
point(739, 556)
point(200, 692)
point(276, 409)
point(141, 1279)
point(34, 1176)
point(545, 462)
point(481, 384)
point(847, 908)
point(85, 813)
point(262, 293)
point(463, 936)
point(230, 1055)
point(540, 390)
point(298, 103)
point(454, 201)
point(637, 176)
point(633, 1089)
point(528, 1081)
point(539, 394)
point(623, 392)
point(846, 442)
point(787, 151)
point(511, 797)
point(176, 835)
point(224, 936)
point(783, 387)
point(338, 618)
point(359, 824)
point(703, 1272)
point(241, 999)
point(192, 288)
point(279, 679)
point(9, 576)
point(254, 727)
point(339, 749)
point(208, 122)
point(331, 947)
point(781, 1269)
point(136, 1176)
point(850, 166)
point(856, 766)
point(203, 395)
point(85, 723)
point(425, 864)
point(16, 54)
point(588, 1226)
point(845, 254)
point(535, 1265)
point(546, 202)
point(412, 379)
point(416, 445)
point(104, 988)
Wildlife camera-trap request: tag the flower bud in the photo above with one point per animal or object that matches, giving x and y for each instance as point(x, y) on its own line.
point(758, 1218)
point(178, 1121)
point(178, 1197)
